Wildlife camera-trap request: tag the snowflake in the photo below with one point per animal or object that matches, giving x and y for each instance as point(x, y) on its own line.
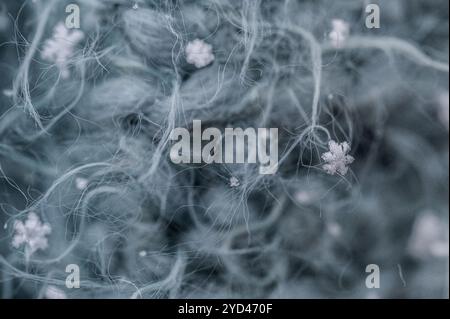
point(4, 22)
point(234, 182)
point(304, 197)
point(339, 33)
point(8, 93)
point(444, 108)
point(337, 158)
point(32, 234)
point(81, 183)
point(53, 292)
point(334, 229)
point(199, 53)
point(429, 236)
point(59, 49)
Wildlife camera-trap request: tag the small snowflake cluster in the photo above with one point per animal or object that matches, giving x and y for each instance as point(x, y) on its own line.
point(339, 33)
point(60, 48)
point(53, 292)
point(199, 53)
point(234, 182)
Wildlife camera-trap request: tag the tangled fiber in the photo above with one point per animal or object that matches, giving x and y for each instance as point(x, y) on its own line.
point(84, 149)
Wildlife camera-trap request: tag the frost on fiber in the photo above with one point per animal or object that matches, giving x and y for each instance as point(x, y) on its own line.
point(84, 149)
